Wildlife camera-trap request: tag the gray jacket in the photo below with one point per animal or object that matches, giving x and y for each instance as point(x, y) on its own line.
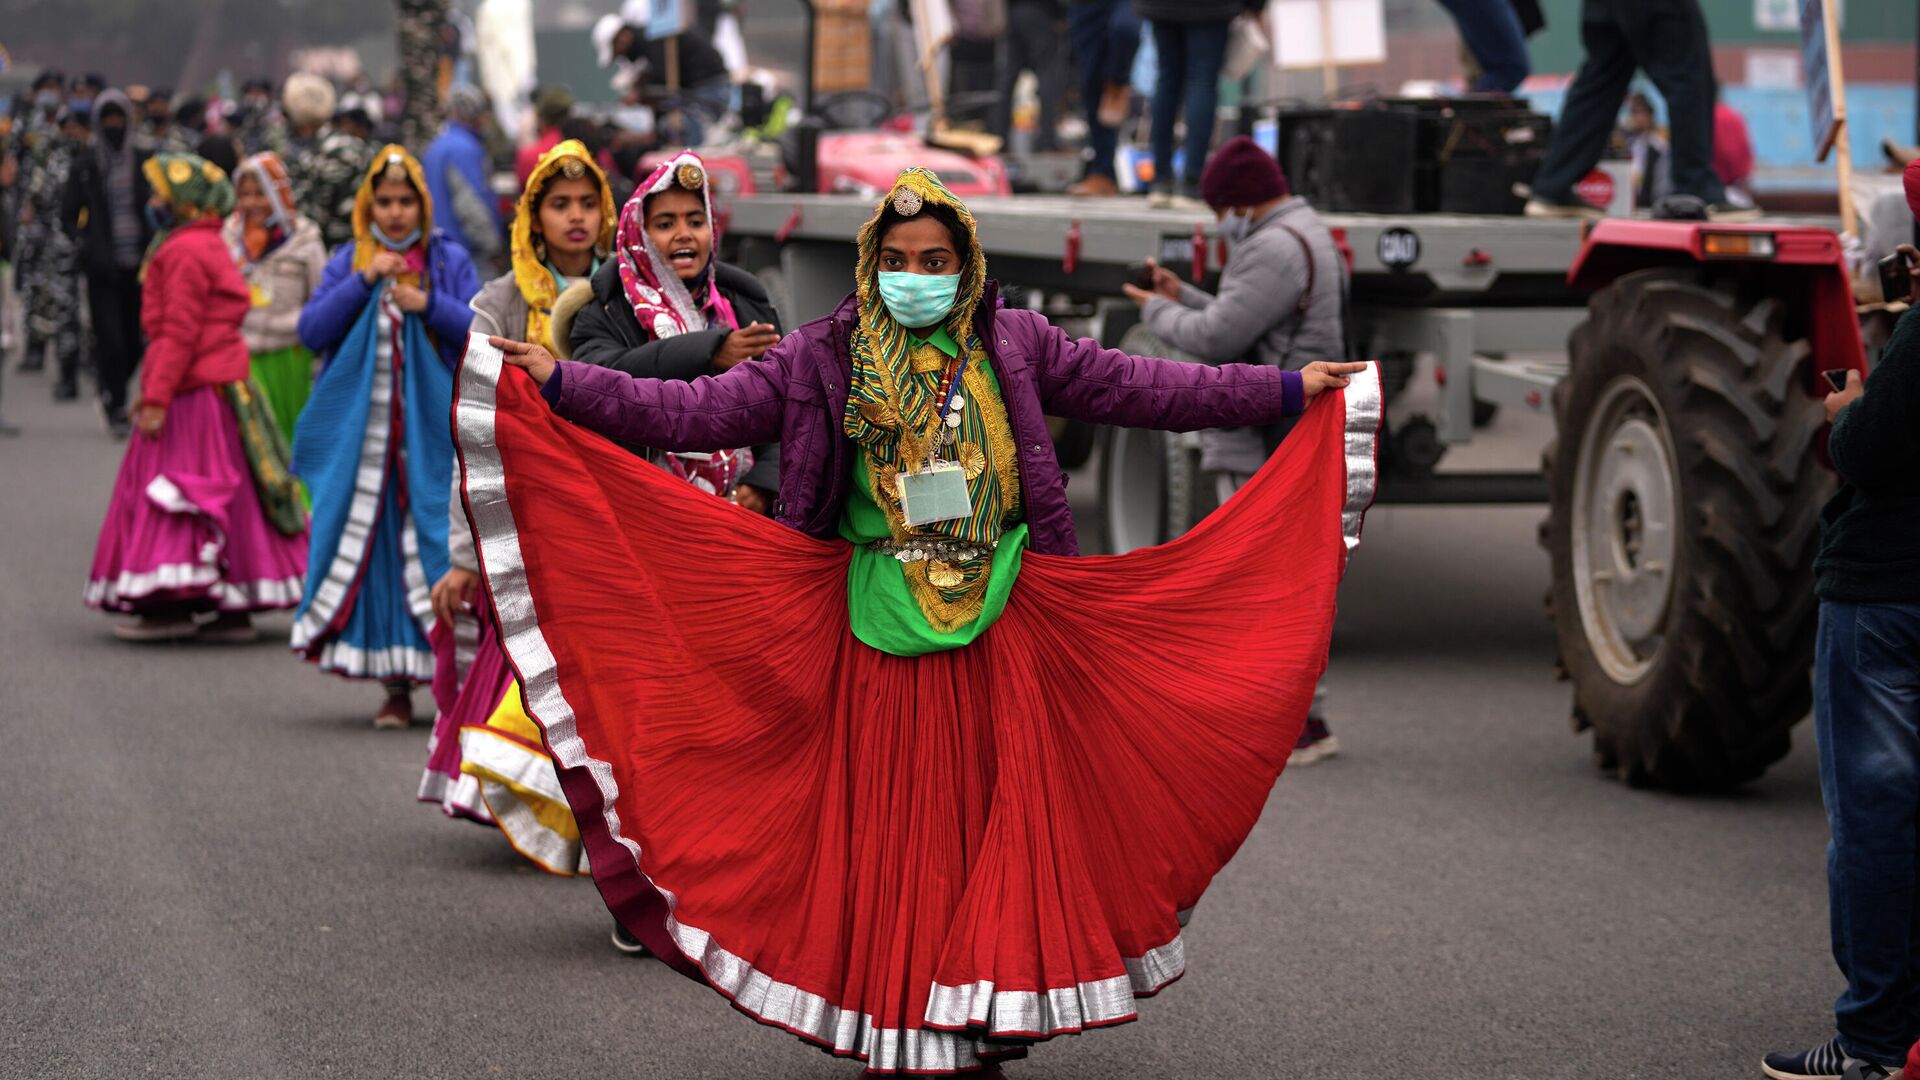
point(498, 309)
point(1256, 317)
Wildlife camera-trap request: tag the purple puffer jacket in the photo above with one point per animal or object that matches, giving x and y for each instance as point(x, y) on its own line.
point(797, 393)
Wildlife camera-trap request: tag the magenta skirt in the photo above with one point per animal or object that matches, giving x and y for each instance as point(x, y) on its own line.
point(470, 677)
point(185, 529)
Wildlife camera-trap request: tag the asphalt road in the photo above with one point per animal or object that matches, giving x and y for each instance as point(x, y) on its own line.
point(211, 866)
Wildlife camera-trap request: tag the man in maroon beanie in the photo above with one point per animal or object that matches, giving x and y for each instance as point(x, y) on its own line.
point(1280, 303)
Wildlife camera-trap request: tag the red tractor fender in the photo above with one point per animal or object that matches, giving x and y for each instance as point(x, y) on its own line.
point(1802, 264)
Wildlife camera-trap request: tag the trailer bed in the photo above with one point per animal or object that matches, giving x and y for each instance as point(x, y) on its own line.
point(1458, 252)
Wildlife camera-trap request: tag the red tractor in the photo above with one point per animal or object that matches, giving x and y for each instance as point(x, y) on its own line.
point(1685, 488)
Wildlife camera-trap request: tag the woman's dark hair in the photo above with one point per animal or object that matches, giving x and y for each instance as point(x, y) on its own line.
point(945, 215)
point(220, 150)
point(587, 130)
point(191, 113)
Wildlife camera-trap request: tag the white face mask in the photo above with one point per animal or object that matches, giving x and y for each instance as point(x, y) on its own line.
point(1234, 227)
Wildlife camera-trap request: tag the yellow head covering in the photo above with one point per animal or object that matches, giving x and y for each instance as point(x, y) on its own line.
point(530, 272)
point(885, 405)
point(365, 244)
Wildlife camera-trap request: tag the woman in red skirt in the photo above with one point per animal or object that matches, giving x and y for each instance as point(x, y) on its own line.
point(894, 771)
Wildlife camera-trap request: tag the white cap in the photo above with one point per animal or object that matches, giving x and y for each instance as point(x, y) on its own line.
point(604, 32)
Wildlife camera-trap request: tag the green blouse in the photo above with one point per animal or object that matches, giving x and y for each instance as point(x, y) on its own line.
point(881, 610)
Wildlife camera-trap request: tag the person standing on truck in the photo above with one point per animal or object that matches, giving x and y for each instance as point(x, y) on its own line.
point(1035, 41)
point(1495, 35)
point(1105, 36)
point(1667, 38)
point(1190, 43)
point(1280, 304)
point(1866, 708)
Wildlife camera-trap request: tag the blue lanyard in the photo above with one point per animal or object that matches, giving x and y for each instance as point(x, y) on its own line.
point(952, 384)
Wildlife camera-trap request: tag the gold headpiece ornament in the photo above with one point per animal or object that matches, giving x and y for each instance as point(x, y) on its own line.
point(179, 172)
point(907, 202)
point(691, 176)
point(573, 168)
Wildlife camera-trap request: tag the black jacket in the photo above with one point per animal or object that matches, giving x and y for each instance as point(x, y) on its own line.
point(700, 63)
point(88, 193)
point(606, 334)
point(1870, 534)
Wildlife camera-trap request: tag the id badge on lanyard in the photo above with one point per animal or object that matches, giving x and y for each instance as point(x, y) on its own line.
point(937, 491)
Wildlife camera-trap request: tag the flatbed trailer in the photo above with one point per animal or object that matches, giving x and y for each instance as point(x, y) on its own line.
point(1680, 363)
point(1470, 290)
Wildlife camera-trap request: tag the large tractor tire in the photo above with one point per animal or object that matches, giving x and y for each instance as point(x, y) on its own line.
point(1151, 487)
point(1685, 498)
point(774, 280)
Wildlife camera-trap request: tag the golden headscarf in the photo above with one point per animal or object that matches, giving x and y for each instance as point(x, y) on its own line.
point(530, 272)
point(882, 359)
point(365, 244)
point(892, 412)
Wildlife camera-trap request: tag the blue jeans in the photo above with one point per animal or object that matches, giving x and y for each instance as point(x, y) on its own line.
point(1190, 56)
point(1105, 34)
point(1866, 715)
point(1491, 30)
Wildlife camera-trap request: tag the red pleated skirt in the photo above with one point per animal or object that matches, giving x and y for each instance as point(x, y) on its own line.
point(927, 863)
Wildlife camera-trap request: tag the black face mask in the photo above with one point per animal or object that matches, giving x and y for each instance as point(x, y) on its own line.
point(115, 134)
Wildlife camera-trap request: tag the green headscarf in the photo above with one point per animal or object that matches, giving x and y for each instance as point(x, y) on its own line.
point(193, 186)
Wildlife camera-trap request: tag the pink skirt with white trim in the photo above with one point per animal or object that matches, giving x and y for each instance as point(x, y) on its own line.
point(185, 529)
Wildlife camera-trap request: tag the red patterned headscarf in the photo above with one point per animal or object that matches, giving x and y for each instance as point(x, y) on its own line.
point(660, 299)
point(1912, 181)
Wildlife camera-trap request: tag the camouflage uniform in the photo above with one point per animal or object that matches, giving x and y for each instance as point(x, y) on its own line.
point(264, 132)
point(420, 23)
point(180, 140)
point(47, 260)
point(326, 174)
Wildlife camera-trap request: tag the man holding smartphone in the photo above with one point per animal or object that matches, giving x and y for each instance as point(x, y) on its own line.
point(1866, 708)
point(1281, 301)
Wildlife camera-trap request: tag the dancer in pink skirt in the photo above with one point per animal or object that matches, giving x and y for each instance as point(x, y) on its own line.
point(204, 518)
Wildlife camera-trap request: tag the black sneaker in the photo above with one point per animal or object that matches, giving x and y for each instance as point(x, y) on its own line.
point(1680, 207)
point(1865, 1070)
point(66, 392)
point(1824, 1062)
point(626, 942)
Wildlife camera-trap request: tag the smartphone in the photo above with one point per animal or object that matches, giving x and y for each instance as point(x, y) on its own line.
point(1896, 278)
point(1837, 378)
point(1141, 274)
